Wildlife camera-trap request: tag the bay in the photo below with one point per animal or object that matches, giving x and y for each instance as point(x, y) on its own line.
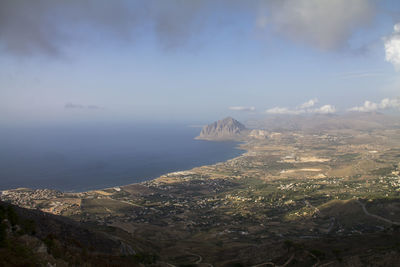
point(78, 158)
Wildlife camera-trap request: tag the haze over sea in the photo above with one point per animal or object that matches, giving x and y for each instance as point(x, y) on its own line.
point(83, 157)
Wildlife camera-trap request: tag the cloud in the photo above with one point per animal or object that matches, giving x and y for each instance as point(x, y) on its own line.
point(46, 26)
point(367, 107)
point(392, 47)
point(310, 103)
point(279, 110)
point(72, 105)
point(386, 103)
point(390, 103)
point(94, 107)
point(305, 108)
point(326, 109)
point(360, 74)
point(79, 106)
point(326, 24)
point(242, 108)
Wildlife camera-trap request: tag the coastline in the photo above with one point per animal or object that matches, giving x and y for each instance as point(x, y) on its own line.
point(168, 175)
point(128, 154)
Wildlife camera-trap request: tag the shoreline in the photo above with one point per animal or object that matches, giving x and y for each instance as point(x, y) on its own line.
point(239, 147)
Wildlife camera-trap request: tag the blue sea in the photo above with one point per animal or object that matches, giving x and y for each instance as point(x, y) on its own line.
point(85, 157)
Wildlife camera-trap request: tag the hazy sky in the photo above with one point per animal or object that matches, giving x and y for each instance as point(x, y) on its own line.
point(196, 60)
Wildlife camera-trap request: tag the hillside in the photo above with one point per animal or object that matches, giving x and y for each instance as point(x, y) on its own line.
point(34, 238)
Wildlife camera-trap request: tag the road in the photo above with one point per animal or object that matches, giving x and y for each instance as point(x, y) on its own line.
point(375, 216)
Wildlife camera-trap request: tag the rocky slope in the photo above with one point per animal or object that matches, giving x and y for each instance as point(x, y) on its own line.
point(35, 238)
point(224, 130)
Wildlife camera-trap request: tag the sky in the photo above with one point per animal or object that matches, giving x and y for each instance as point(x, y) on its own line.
point(196, 61)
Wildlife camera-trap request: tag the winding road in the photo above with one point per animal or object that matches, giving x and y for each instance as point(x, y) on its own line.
point(374, 215)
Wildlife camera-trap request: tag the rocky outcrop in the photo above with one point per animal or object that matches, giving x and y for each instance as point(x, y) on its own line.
point(224, 130)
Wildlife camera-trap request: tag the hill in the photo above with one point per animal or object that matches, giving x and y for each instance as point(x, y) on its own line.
point(223, 130)
point(35, 238)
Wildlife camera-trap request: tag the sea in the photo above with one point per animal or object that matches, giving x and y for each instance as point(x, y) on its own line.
point(77, 158)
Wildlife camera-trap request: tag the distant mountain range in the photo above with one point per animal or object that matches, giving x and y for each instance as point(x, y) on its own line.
point(224, 130)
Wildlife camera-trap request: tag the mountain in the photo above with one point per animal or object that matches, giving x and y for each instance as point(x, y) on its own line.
point(223, 130)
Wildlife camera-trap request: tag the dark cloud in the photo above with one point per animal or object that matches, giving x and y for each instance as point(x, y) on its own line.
point(47, 26)
point(326, 24)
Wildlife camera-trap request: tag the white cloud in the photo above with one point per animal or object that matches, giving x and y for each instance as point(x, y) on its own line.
point(305, 108)
point(72, 105)
point(242, 108)
point(278, 110)
point(390, 103)
point(367, 107)
point(386, 103)
point(392, 47)
point(80, 106)
point(327, 24)
point(310, 103)
point(360, 74)
point(326, 109)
